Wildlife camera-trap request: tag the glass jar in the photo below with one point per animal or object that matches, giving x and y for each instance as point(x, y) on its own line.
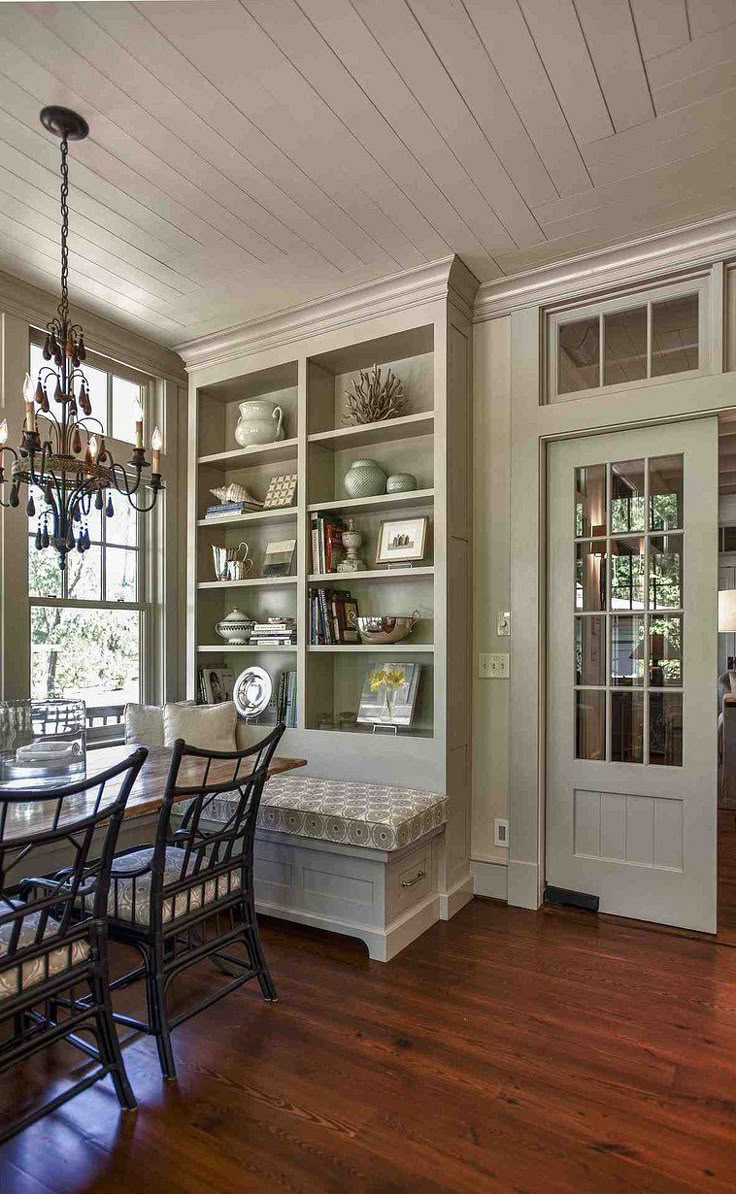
point(42, 742)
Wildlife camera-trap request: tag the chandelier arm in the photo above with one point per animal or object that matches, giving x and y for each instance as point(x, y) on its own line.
point(140, 508)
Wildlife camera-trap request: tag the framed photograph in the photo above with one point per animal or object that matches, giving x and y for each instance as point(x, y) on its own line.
point(281, 491)
point(402, 540)
point(279, 557)
point(217, 685)
point(391, 703)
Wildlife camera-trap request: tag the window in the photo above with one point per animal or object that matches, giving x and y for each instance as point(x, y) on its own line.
point(625, 340)
point(88, 623)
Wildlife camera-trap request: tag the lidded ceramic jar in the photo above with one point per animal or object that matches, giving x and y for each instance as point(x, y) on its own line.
point(260, 422)
point(364, 478)
point(401, 483)
point(236, 628)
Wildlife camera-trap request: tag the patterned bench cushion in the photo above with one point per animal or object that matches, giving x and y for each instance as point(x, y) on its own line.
point(356, 814)
point(120, 899)
point(34, 970)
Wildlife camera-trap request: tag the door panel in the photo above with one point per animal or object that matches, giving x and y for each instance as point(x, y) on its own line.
point(632, 666)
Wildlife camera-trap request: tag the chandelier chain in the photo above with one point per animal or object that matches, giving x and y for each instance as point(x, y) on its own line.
point(64, 193)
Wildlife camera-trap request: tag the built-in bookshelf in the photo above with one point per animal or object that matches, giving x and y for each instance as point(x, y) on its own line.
point(426, 346)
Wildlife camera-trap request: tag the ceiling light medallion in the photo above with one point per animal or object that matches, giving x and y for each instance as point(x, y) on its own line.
point(62, 451)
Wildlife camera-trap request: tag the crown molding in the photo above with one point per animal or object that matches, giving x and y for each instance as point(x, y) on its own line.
point(682, 248)
point(423, 284)
point(36, 307)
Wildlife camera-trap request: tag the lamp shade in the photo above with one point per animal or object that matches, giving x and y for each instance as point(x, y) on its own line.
point(727, 611)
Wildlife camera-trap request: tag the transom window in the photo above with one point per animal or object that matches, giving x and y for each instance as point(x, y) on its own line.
point(88, 622)
point(625, 340)
point(629, 560)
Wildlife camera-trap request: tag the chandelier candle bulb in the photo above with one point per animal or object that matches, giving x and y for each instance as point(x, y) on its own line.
point(29, 395)
point(138, 415)
point(3, 432)
point(157, 444)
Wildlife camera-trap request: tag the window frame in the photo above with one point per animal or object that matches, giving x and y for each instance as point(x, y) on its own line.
point(147, 539)
point(630, 299)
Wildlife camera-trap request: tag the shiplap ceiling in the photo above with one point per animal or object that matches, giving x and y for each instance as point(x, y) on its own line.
point(247, 156)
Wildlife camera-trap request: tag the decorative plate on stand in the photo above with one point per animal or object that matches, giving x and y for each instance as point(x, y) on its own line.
point(252, 692)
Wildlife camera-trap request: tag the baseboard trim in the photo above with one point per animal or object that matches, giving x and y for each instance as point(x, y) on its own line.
point(460, 894)
point(523, 889)
point(383, 945)
point(490, 879)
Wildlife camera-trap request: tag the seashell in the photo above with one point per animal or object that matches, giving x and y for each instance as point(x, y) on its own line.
point(234, 493)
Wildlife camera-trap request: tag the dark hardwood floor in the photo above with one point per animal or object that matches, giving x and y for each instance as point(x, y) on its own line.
point(506, 1050)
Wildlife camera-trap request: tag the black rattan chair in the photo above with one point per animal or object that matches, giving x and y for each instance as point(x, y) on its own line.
point(189, 897)
point(53, 957)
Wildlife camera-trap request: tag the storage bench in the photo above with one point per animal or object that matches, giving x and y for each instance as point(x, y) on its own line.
point(354, 858)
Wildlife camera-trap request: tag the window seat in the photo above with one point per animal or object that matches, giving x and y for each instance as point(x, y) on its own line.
point(355, 858)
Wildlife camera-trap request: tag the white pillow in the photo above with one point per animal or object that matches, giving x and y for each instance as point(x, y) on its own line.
point(211, 727)
point(144, 724)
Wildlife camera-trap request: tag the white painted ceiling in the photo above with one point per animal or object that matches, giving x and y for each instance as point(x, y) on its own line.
point(246, 156)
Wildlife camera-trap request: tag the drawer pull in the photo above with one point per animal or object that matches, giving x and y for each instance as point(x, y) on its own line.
point(410, 882)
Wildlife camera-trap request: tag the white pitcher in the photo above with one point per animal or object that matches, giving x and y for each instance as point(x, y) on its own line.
point(260, 422)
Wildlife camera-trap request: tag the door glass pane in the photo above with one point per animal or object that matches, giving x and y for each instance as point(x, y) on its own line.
point(675, 335)
point(590, 724)
point(665, 729)
point(627, 649)
point(578, 356)
point(625, 351)
point(627, 573)
point(590, 501)
point(665, 651)
point(665, 493)
point(590, 650)
point(665, 572)
point(627, 727)
point(627, 497)
point(590, 576)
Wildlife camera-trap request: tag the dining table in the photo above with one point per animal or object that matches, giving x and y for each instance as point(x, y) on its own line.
point(146, 796)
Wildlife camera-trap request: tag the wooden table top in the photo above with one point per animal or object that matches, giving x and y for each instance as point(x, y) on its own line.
point(147, 793)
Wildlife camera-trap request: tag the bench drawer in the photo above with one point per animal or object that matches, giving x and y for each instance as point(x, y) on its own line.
point(411, 879)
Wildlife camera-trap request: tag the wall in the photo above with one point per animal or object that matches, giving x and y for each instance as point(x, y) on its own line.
point(491, 592)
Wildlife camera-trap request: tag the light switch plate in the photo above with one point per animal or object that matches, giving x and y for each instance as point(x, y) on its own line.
point(500, 831)
point(503, 623)
point(494, 667)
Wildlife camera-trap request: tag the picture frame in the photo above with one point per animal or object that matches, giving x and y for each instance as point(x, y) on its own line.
point(402, 540)
point(217, 685)
point(281, 491)
point(279, 557)
point(399, 709)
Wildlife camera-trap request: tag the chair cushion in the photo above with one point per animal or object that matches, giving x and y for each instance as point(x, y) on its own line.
point(211, 727)
point(120, 898)
point(34, 970)
point(373, 815)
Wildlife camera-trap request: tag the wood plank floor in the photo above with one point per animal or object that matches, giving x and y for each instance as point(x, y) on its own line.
point(506, 1050)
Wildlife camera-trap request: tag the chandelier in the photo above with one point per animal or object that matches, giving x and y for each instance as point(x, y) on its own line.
point(62, 451)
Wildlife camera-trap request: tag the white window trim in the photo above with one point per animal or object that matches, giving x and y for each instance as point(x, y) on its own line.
point(554, 319)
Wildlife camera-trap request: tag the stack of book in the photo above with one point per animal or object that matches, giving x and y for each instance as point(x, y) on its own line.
point(333, 618)
point(274, 632)
point(326, 543)
point(227, 509)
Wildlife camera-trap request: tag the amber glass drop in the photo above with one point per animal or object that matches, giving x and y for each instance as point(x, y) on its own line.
point(76, 442)
point(46, 354)
point(39, 392)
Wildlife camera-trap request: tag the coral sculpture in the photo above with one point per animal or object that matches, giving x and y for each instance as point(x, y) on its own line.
point(373, 399)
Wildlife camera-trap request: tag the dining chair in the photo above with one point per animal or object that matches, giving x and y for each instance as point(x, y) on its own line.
point(53, 952)
point(189, 897)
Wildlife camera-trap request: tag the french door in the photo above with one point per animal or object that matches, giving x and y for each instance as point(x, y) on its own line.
point(632, 667)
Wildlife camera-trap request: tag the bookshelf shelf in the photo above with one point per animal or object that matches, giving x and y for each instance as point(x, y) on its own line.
point(385, 501)
point(385, 432)
point(372, 649)
point(342, 580)
point(255, 582)
point(258, 518)
point(239, 458)
point(236, 649)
